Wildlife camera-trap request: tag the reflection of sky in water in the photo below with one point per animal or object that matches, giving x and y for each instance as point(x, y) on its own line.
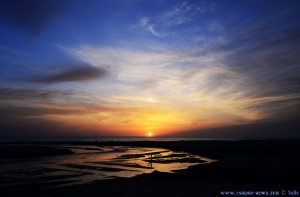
point(90, 163)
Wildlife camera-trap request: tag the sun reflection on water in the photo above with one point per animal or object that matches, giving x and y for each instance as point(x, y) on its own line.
point(90, 163)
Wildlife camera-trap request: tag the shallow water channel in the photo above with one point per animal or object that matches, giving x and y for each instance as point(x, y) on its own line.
point(90, 163)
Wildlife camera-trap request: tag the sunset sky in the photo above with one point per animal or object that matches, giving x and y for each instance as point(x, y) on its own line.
point(169, 67)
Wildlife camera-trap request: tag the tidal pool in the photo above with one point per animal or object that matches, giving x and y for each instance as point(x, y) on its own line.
point(91, 163)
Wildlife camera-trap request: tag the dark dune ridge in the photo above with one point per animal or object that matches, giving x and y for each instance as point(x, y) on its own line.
point(250, 165)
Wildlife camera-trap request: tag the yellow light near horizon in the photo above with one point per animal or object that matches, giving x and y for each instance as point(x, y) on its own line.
point(160, 120)
point(148, 122)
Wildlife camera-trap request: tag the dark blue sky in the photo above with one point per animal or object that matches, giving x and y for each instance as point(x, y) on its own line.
point(130, 67)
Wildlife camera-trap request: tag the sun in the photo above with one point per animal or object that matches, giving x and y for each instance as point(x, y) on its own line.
point(149, 134)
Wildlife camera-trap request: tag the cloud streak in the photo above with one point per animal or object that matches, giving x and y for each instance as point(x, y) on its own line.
point(214, 82)
point(15, 94)
point(184, 80)
point(72, 75)
point(148, 26)
point(170, 22)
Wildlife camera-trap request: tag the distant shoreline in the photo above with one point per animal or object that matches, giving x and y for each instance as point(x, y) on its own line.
point(105, 139)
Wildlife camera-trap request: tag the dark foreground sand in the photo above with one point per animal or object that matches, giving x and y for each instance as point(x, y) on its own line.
point(243, 166)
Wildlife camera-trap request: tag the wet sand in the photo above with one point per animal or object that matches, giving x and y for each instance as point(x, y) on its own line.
point(265, 165)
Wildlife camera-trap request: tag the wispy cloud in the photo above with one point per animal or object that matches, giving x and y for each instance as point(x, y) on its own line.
point(13, 94)
point(179, 15)
point(184, 80)
point(248, 76)
point(146, 24)
point(76, 74)
point(164, 23)
point(207, 6)
point(60, 113)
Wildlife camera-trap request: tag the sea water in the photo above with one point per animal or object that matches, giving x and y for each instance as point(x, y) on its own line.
point(105, 139)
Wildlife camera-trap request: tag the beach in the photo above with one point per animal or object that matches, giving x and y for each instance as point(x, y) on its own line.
point(241, 166)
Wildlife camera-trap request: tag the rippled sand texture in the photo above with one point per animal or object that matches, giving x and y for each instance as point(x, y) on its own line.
point(90, 163)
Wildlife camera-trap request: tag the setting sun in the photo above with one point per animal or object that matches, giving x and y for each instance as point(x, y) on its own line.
point(149, 134)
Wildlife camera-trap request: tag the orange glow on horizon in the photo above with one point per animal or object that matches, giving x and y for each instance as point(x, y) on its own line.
point(133, 121)
point(123, 121)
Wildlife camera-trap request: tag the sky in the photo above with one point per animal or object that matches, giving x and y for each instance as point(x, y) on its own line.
point(167, 67)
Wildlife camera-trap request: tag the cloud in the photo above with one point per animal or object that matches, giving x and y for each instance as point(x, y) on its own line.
point(163, 24)
point(37, 97)
point(256, 130)
point(265, 53)
point(146, 24)
point(233, 85)
point(23, 113)
point(179, 15)
point(170, 22)
point(30, 15)
point(46, 112)
point(72, 75)
point(25, 94)
point(35, 128)
point(56, 99)
point(29, 121)
point(206, 7)
point(184, 80)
